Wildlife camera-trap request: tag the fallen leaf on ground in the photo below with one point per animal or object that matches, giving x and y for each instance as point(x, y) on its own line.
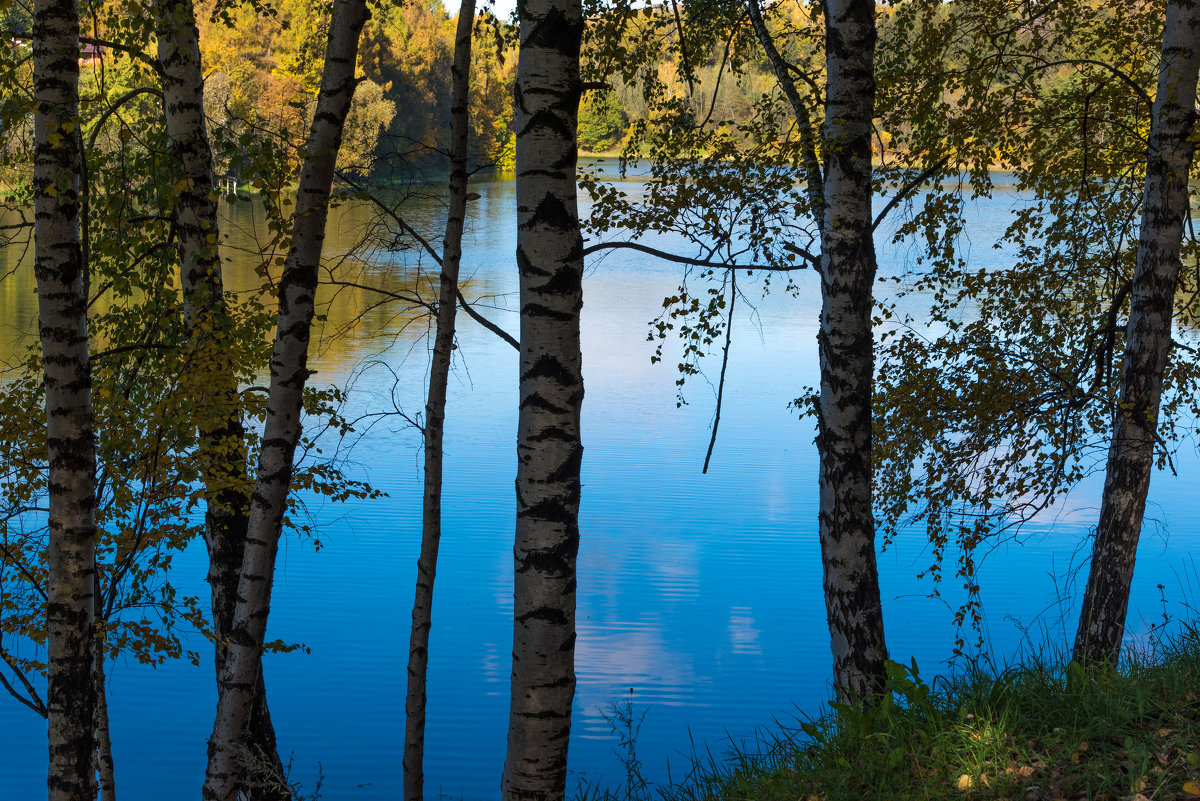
point(964, 782)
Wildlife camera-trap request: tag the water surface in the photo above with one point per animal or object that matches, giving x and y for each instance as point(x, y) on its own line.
point(699, 595)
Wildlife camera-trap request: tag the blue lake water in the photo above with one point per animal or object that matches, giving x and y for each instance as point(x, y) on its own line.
point(699, 595)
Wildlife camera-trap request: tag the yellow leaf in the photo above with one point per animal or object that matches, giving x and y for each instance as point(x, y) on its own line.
point(1191, 787)
point(964, 782)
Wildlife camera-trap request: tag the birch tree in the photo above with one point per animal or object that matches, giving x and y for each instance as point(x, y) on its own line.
point(62, 324)
point(222, 444)
point(289, 372)
point(549, 448)
point(1165, 209)
point(1021, 394)
point(781, 190)
point(847, 356)
point(435, 411)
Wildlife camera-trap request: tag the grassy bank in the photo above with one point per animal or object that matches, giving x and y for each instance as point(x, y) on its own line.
point(1035, 732)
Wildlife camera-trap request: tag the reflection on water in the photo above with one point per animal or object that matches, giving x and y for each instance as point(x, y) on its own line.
point(700, 596)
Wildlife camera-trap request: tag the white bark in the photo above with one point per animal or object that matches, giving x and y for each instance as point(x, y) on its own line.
point(62, 321)
point(105, 768)
point(549, 449)
point(846, 522)
point(435, 413)
point(218, 415)
point(1148, 339)
point(289, 372)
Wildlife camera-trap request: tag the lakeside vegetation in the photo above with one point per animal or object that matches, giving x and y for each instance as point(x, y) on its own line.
point(1044, 729)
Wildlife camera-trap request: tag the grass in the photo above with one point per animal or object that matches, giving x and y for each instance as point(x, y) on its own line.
point(1034, 732)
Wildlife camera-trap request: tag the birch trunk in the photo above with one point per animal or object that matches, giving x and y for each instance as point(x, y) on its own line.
point(237, 683)
point(62, 323)
point(105, 768)
point(222, 447)
point(1148, 339)
point(435, 413)
point(549, 449)
point(845, 340)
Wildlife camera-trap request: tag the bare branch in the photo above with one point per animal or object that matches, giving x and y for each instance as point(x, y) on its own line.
point(664, 255)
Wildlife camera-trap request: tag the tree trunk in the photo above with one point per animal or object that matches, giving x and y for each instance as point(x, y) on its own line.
point(847, 525)
point(105, 768)
point(1148, 340)
point(238, 681)
point(62, 324)
point(549, 449)
point(222, 447)
point(435, 413)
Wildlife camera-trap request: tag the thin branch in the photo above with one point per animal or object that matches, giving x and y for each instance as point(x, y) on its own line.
point(814, 180)
point(665, 256)
point(720, 73)
point(1121, 74)
point(485, 322)
point(908, 188)
point(385, 292)
point(400, 221)
point(132, 52)
point(685, 62)
point(437, 257)
point(724, 365)
point(34, 701)
point(116, 106)
point(130, 348)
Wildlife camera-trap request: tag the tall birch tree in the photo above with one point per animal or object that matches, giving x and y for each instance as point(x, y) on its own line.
point(802, 190)
point(222, 446)
point(1165, 209)
point(237, 682)
point(847, 356)
point(60, 269)
point(549, 447)
point(435, 412)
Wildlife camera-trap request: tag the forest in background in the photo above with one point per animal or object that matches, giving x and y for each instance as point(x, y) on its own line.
point(263, 66)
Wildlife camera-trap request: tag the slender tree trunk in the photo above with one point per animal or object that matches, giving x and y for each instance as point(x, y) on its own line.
point(847, 525)
point(435, 413)
point(1147, 337)
point(549, 448)
point(62, 324)
point(813, 179)
point(238, 681)
point(206, 316)
point(105, 768)
point(60, 272)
